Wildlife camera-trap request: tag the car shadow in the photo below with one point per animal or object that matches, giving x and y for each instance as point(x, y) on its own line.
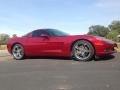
point(50, 58)
point(104, 58)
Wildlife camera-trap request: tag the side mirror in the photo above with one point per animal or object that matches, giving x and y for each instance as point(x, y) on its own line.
point(44, 36)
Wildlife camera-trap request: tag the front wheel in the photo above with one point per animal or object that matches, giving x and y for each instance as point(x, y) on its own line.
point(18, 52)
point(83, 50)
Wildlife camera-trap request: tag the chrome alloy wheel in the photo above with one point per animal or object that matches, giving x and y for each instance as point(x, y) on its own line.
point(82, 50)
point(18, 51)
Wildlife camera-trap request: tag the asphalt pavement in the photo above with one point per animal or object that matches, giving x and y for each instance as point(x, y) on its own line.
point(59, 73)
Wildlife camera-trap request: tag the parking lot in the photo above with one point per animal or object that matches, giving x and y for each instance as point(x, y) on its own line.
point(59, 73)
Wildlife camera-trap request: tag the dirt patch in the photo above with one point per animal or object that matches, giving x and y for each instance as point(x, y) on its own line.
point(6, 58)
point(4, 55)
point(3, 47)
point(118, 49)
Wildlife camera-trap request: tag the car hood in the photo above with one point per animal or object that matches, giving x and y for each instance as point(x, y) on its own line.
point(94, 37)
point(104, 39)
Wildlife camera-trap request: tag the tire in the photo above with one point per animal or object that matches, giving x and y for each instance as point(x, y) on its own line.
point(83, 50)
point(18, 52)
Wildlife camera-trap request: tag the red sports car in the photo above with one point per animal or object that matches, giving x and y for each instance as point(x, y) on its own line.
point(51, 42)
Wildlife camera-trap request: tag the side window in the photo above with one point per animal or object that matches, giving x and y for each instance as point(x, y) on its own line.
point(38, 33)
point(35, 33)
point(44, 32)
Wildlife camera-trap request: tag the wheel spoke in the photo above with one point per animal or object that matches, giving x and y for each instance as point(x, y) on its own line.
point(87, 51)
point(82, 55)
point(82, 50)
point(14, 51)
point(18, 52)
point(77, 47)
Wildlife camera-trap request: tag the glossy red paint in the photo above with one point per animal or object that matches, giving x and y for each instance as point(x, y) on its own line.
point(59, 46)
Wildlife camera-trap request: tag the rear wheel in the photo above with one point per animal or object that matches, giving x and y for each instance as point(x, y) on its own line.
point(83, 51)
point(18, 52)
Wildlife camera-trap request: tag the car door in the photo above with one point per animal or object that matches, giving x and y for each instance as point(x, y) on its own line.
point(36, 43)
point(40, 45)
point(54, 46)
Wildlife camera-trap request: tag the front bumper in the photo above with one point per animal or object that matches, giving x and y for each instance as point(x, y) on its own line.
point(106, 49)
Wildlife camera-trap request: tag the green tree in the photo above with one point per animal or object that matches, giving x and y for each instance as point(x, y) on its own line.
point(98, 30)
point(113, 35)
point(14, 35)
point(114, 28)
point(4, 38)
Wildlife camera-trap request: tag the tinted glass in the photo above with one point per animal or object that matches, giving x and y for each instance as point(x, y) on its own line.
point(35, 33)
point(38, 33)
point(55, 32)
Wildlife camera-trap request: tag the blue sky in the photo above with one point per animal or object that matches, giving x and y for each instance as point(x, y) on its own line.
point(72, 16)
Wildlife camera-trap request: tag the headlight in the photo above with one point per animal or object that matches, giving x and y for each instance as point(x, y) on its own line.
point(104, 39)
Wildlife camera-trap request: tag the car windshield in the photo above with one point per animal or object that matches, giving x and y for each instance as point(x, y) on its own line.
point(55, 32)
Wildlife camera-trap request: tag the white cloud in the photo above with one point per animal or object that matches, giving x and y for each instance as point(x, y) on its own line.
point(111, 4)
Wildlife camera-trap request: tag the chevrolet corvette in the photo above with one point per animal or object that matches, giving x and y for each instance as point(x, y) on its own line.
point(52, 42)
